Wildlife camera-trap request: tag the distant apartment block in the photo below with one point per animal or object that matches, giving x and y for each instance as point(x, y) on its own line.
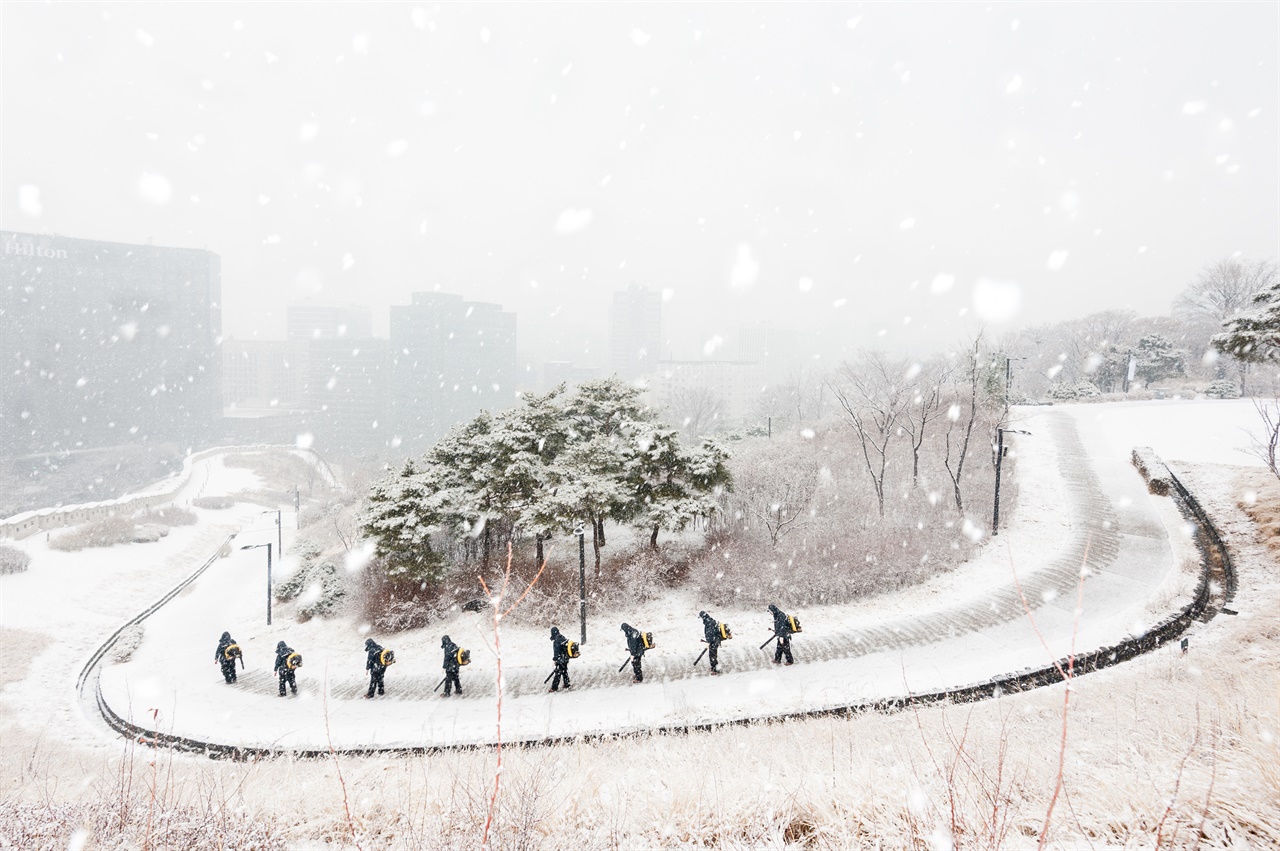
point(736, 384)
point(105, 343)
point(346, 397)
point(261, 373)
point(449, 359)
point(777, 350)
point(308, 321)
point(564, 372)
point(635, 332)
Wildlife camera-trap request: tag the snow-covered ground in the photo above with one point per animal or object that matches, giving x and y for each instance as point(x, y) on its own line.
point(172, 682)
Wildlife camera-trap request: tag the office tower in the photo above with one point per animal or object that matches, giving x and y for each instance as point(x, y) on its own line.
point(635, 332)
point(105, 343)
point(449, 359)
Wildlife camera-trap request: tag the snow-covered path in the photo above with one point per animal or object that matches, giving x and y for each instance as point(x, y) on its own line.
point(1078, 491)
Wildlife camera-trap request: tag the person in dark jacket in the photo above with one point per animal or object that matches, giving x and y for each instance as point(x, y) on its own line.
point(373, 664)
point(782, 632)
point(451, 681)
point(635, 646)
point(560, 656)
point(283, 670)
point(228, 660)
point(711, 632)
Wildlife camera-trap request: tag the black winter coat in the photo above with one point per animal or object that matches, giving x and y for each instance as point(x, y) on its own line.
point(374, 661)
point(635, 644)
point(450, 654)
point(711, 630)
point(780, 624)
point(559, 647)
point(282, 656)
point(220, 655)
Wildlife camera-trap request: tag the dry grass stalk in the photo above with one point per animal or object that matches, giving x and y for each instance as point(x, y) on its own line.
point(495, 604)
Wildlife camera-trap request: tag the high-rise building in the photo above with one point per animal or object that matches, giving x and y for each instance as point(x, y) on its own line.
point(105, 343)
point(346, 398)
point(312, 322)
point(261, 373)
point(309, 321)
point(777, 350)
point(449, 359)
point(635, 332)
point(566, 373)
point(728, 387)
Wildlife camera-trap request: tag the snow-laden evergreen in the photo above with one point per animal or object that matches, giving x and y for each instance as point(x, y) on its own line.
point(559, 462)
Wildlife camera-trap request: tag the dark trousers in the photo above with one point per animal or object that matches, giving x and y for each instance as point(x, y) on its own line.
point(635, 668)
point(562, 670)
point(451, 682)
point(287, 676)
point(375, 680)
point(783, 649)
point(713, 650)
point(229, 670)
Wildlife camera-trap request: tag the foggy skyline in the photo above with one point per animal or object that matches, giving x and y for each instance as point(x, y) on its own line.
point(837, 166)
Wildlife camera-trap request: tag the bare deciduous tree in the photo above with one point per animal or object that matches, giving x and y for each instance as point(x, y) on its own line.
point(696, 410)
point(925, 407)
point(964, 383)
point(797, 399)
point(776, 488)
point(1223, 290)
point(1265, 447)
point(874, 393)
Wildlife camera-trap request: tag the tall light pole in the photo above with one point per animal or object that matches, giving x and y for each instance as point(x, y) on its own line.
point(1008, 377)
point(582, 579)
point(279, 531)
point(995, 515)
point(268, 546)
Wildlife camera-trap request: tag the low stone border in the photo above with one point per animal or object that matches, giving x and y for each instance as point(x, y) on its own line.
point(1216, 587)
point(30, 522)
point(1153, 470)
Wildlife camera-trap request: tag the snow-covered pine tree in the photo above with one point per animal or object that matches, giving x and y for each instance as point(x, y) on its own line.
point(402, 514)
point(1254, 336)
point(674, 484)
point(1157, 358)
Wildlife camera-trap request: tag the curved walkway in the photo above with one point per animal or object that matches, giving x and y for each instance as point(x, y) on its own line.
point(965, 650)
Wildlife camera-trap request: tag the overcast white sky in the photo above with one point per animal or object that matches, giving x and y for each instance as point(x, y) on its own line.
point(847, 167)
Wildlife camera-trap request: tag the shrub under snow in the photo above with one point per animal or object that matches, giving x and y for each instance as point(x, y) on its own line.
point(13, 560)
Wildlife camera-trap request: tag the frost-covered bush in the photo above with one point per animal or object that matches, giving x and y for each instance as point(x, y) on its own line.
point(1072, 392)
point(1087, 390)
point(1223, 388)
point(148, 533)
point(318, 586)
point(323, 593)
point(145, 527)
point(106, 532)
point(1059, 392)
point(13, 560)
point(306, 548)
point(173, 515)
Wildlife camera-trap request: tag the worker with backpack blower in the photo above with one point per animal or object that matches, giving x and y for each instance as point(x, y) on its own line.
point(376, 663)
point(784, 626)
point(452, 661)
point(226, 655)
point(637, 643)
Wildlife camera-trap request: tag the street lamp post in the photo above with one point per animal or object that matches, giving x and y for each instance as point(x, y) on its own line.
point(582, 580)
point(279, 531)
point(1008, 377)
point(995, 515)
point(268, 546)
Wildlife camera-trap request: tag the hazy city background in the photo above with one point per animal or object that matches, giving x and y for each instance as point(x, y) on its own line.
point(397, 214)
